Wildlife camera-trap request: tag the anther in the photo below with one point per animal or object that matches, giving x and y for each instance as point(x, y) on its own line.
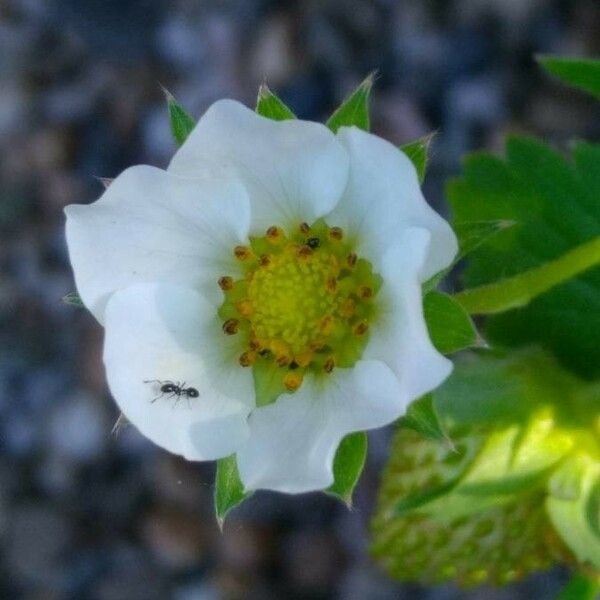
point(361, 328)
point(242, 252)
point(329, 365)
point(336, 233)
point(225, 283)
point(304, 228)
point(283, 360)
point(331, 284)
point(304, 251)
point(248, 358)
point(245, 308)
point(326, 325)
point(366, 292)
point(348, 307)
point(351, 259)
point(293, 380)
point(303, 359)
point(231, 326)
point(313, 242)
point(264, 260)
point(274, 234)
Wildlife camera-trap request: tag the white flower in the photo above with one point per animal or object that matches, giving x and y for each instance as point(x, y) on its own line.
point(274, 253)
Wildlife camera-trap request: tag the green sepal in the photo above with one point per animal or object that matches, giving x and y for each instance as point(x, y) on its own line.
point(181, 122)
point(271, 106)
point(73, 299)
point(423, 418)
point(354, 110)
point(418, 152)
point(268, 381)
point(348, 465)
point(582, 73)
point(573, 505)
point(229, 489)
point(449, 324)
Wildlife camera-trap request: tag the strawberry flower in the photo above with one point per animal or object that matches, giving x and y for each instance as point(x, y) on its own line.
point(262, 296)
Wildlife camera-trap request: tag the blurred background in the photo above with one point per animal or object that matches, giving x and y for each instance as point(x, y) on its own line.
point(89, 515)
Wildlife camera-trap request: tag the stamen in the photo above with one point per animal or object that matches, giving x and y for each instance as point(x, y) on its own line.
point(366, 292)
point(226, 283)
point(248, 358)
point(264, 260)
point(329, 365)
point(293, 380)
point(242, 252)
point(304, 252)
point(351, 259)
point(231, 326)
point(348, 308)
point(336, 233)
point(274, 234)
point(245, 308)
point(361, 328)
point(304, 228)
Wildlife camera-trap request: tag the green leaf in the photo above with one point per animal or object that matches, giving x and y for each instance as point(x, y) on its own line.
point(470, 236)
point(449, 325)
point(73, 299)
point(348, 465)
point(580, 587)
point(521, 289)
point(423, 418)
point(554, 203)
point(229, 490)
point(181, 122)
point(574, 507)
point(583, 73)
point(354, 111)
point(418, 152)
point(271, 106)
point(473, 234)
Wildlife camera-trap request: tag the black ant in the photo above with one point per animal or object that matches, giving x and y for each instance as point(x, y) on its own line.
point(313, 243)
point(175, 389)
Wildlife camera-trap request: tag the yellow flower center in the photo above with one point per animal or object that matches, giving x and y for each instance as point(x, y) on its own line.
point(304, 304)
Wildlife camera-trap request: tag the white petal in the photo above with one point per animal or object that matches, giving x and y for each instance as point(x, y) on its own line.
point(293, 442)
point(383, 197)
point(150, 225)
point(294, 170)
point(399, 337)
point(156, 332)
